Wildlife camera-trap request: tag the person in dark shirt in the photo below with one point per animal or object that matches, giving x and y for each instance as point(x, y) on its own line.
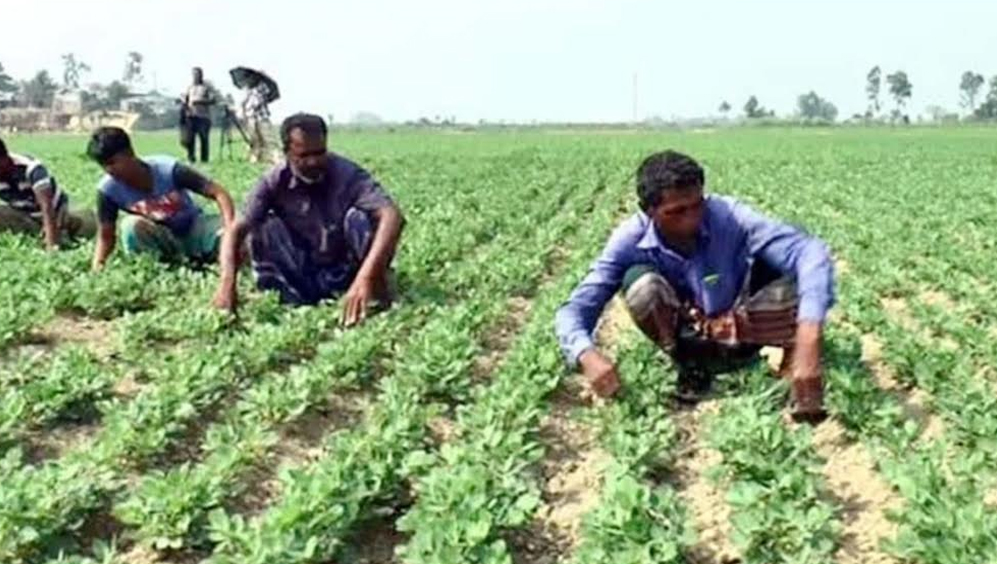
point(319, 226)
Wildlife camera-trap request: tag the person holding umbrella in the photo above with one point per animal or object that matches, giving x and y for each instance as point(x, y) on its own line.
point(261, 90)
point(257, 116)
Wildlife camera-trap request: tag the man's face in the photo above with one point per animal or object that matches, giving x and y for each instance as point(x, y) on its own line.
point(679, 213)
point(307, 156)
point(198, 76)
point(124, 167)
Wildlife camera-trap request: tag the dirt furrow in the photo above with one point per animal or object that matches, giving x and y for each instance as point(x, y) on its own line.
point(574, 463)
point(705, 499)
point(861, 493)
point(914, 402)
point(300, 443)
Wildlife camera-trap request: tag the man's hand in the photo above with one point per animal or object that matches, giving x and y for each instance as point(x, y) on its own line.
point(225, 300)
point(50, 229)
point(374, 268)
point(230, 258)
point(106, 235)
point(355, 303)
point(807, 376)
point(600, 373)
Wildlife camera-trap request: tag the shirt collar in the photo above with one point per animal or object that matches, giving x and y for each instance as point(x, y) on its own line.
point(650, 239)
point(296, 182)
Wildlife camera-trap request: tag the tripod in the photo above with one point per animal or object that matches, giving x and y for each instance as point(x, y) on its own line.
point(229, 119)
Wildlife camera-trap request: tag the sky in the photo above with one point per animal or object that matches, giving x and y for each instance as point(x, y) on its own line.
point(520, 60)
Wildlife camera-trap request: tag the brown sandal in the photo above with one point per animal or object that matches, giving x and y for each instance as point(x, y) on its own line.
point(692, 386)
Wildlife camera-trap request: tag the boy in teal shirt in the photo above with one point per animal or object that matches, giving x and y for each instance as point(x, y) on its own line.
point(155, 192)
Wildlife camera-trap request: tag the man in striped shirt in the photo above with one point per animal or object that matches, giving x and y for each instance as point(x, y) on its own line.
point(257, 116)
point(710, 280)
point(31, 202)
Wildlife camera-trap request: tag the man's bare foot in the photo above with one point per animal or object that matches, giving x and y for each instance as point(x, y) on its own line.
point(786, 366)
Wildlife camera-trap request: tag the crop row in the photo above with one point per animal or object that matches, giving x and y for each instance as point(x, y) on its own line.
point(164, 519)
point(637, 520)
point(944, 518)
point(66, 385)
point(483, 482)
point(370, 464)
point(779, 507)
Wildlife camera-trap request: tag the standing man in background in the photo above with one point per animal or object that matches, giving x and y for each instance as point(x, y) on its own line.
point(198, 101)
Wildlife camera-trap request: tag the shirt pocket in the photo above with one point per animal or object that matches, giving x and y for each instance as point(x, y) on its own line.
point(296, 207)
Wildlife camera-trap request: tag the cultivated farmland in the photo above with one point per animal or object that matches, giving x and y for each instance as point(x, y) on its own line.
point(139, 425)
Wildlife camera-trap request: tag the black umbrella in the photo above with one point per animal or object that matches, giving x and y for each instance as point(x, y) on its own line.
point(244, 77)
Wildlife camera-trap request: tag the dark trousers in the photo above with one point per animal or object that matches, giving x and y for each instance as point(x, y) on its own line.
point(281, 263)
point(200, 131)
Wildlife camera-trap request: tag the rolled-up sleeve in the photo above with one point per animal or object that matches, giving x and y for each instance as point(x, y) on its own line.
point(187, 178)
point(40, 179)
point(365, 193)
point(796, 253)
point(576, 319)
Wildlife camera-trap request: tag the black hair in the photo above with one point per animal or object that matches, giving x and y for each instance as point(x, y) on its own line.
point(309, 124)
point(107, 142)
point(3, 149)
point(666, 170)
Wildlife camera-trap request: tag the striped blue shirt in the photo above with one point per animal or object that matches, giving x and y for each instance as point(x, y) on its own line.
point(730, 237)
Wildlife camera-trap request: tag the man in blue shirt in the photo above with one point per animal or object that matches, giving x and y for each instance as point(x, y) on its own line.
point(708, 279)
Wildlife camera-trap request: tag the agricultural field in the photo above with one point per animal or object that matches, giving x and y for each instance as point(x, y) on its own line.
point(138, 425)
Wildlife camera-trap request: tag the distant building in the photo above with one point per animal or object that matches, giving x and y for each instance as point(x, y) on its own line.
point(70, 102)
point(152, 103)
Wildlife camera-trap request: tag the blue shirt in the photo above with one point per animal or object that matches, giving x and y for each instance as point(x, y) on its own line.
point(168, 203)
point(730, 237)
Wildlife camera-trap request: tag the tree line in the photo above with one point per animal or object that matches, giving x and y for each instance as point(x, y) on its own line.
point(812, 107)
point(41, 90)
